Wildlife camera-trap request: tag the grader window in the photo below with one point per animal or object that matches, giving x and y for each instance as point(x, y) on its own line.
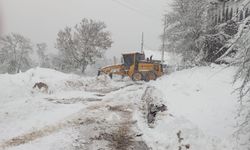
point(128, 60)
point(140, 57)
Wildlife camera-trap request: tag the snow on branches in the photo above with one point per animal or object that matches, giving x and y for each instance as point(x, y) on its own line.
point(83, 44)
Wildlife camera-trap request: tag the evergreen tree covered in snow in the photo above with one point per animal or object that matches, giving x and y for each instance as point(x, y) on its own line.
point(15, 52)
point(82, 45)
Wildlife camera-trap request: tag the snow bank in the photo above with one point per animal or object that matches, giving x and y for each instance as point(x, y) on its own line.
point(21, 84)
point(201, 93)
point(201, 104)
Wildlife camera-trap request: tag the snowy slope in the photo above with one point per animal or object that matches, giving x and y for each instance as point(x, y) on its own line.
point(202, 105)
point(92, 113)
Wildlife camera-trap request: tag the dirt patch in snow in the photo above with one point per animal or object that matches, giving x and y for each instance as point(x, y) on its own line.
point(152, 104)
point(72, 100)
point(46, 131)
point(118, 134)
point(122, 136)
point(118, 108)
point(28, 137)
point(108, 89)
point(123, 140)
point(118, 139)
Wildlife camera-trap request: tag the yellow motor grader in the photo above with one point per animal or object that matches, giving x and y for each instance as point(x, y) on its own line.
point(136, 67)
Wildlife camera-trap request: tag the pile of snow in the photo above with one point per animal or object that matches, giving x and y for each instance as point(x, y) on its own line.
point(21, 84)
point(201, 104)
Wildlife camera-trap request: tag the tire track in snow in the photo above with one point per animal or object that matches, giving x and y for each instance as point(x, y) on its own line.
point(107, 91)
point(122, 135)
point(76, 120)
point(45, 131)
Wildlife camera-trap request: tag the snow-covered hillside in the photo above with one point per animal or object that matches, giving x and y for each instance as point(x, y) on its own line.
point(100, 113)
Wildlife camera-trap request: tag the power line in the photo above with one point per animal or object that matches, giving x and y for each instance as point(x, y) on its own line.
point(148, 7)
point(132, 8)
point(128, 7)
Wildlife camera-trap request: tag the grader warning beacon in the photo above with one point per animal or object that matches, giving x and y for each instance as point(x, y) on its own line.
point(136, 67)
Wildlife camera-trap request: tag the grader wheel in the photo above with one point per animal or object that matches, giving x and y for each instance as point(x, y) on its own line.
point(150, 76)
point(137, 76)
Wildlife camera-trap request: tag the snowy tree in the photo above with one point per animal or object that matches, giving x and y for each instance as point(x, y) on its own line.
point(211, 43)
point(242, 61)
point(185, 24)
point(43, 58)
point(14, 53)
point(83, 44)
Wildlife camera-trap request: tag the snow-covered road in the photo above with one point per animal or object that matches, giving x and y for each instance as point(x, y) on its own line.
point(78, 113)
point(98, 113)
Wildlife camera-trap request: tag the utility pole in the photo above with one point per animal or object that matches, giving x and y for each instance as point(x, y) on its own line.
point(163, 38)
point(142, 42)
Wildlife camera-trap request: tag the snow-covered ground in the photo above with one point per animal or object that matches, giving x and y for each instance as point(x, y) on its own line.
point(96, 112)
point(203, 108)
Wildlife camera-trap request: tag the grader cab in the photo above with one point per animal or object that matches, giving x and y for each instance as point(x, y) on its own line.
point(136, 66)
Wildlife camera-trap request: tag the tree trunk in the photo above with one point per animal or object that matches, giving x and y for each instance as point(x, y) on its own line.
point(83, 67)
point(223, 12)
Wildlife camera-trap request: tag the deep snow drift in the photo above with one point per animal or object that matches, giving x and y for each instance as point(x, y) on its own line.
point(92, 113)
point(202, 106)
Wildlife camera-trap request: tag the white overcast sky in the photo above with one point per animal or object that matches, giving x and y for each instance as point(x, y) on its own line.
point(40, 20)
